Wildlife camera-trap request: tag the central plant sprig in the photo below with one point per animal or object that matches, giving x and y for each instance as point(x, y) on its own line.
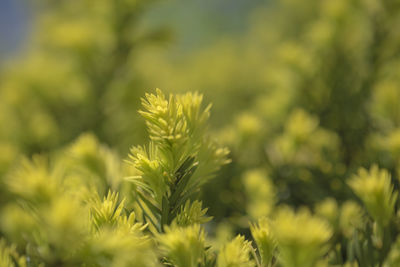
point(179, 158)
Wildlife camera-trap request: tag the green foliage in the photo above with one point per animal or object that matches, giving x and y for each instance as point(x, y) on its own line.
point(179, 158)
point(87, 85)
point(119, 248)
point(345, 219)
point(266, 243)
point(394, 256)
point(301, 237)
point(183, 246)
point(375, 189)
point(62, 215)
point(261, 193)
point(303, 98)
point(108, 213)
point(236, 253)
point(9, 256)
point(192, 213)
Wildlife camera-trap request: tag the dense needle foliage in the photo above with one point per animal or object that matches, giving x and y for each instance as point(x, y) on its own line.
point(295, 165)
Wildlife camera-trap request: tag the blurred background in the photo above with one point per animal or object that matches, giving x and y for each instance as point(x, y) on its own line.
point(304, 91)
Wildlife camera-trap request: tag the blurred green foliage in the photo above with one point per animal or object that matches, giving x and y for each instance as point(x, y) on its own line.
point(306, 98)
